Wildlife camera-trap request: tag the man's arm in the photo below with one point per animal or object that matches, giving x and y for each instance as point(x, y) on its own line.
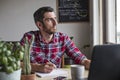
point(45, 68)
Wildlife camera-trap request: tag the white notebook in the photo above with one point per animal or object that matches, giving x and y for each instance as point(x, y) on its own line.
point(55, 72)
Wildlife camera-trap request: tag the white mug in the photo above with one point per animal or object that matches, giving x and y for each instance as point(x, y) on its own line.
point(77, 72)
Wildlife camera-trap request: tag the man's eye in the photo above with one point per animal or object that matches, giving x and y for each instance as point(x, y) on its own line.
point(52, 19)
point(49, 19)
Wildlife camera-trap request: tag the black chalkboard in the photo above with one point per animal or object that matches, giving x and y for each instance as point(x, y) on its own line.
point(73, 10)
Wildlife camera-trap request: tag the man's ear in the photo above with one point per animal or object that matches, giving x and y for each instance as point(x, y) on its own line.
point(39, 24)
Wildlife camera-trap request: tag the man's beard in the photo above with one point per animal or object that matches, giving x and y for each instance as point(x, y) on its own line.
point(49, 31)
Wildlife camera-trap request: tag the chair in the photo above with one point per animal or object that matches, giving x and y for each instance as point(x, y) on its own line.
point(62, 62)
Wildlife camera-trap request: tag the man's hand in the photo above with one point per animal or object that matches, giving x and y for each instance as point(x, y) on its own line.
point(45, 68)
point(48, 67)
point(86, 63)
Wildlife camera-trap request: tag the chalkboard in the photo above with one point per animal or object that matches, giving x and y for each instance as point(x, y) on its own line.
point(73, 10)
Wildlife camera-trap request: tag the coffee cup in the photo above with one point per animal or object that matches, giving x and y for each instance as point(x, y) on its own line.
point(77, 72)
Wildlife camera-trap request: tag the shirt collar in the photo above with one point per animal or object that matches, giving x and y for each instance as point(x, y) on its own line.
point(53, 39)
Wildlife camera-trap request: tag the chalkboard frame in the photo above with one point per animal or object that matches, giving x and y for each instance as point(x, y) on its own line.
point(66, 6)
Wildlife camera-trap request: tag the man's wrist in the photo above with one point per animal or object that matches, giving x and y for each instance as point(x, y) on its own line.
point(83, 61)
point(35, 67)
point(86, 63)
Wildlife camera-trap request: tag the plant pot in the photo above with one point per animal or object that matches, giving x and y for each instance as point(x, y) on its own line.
point(28, 77)
point(12, 76)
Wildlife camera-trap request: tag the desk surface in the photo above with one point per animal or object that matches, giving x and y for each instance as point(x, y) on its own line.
point(68, 77)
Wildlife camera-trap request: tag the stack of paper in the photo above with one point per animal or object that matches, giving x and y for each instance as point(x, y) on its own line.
point(54, 73)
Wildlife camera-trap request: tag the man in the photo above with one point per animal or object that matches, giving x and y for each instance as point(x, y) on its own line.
point(49, 46)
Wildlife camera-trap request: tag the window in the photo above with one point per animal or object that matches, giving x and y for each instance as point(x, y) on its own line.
point(103, 21)
point(118, 20)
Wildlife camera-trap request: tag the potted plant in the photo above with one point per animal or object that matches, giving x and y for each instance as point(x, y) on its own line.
point(26, 68)
point(10, 56)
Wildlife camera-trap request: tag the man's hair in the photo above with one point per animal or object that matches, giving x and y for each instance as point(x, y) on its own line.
point(39, 14)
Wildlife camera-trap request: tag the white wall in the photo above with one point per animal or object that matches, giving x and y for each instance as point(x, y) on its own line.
point(16, 18)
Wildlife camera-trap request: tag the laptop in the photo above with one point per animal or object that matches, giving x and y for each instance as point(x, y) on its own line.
point(105, 63)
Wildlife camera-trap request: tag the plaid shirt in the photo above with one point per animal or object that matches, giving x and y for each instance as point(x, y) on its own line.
point(43, 52)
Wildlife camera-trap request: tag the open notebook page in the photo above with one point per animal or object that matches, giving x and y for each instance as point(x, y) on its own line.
point(54, 73)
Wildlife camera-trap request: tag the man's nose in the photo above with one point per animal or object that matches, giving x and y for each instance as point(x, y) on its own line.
point(55, 21)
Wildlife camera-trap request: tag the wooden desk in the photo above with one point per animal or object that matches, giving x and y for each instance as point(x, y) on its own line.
point(68, 77)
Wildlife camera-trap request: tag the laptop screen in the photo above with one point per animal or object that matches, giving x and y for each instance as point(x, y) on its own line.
point(105, 63)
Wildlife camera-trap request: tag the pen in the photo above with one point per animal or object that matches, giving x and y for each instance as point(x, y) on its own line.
point(51, 64)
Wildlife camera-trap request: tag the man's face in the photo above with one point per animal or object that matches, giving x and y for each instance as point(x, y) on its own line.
point(49, 23)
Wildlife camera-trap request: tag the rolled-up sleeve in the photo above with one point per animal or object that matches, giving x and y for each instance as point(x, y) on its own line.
point(73, 52)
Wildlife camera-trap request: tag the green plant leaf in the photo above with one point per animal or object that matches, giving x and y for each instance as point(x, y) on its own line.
point(9, 69)
point(4, 60)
